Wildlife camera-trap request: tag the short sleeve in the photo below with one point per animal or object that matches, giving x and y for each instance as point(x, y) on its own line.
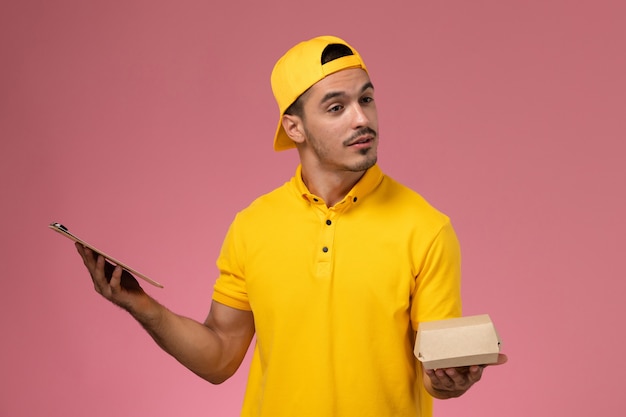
point(230, 287)
point(437, 293)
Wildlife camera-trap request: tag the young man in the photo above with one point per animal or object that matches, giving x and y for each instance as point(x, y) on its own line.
point(333, 271)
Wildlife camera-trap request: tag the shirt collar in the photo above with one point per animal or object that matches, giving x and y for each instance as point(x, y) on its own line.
point(368, 183)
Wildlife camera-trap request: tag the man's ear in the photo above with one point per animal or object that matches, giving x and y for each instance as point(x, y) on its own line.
point(293, 127)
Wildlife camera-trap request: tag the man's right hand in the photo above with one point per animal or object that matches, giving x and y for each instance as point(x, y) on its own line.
point(112, 282)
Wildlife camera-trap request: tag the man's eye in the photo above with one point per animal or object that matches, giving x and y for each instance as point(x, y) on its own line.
point(334, 109)
point(367, 99)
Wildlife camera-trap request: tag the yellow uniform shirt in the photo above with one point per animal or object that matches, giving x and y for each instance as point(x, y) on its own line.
point(337, 294)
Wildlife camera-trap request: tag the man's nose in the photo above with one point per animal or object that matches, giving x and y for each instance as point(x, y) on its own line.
point(359, 118)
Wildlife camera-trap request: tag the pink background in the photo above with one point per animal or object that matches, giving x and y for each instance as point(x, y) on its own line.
point(144, 126)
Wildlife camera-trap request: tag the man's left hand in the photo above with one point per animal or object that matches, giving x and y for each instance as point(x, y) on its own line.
point(454, 382)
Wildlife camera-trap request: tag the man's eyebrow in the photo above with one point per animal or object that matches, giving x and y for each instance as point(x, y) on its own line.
point(366, 86)
point(332, 94)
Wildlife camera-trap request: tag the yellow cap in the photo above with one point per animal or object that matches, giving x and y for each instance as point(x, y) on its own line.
point(300, 68)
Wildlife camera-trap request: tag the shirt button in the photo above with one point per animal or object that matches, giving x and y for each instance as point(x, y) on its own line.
point(324, 249)
point(328, 222)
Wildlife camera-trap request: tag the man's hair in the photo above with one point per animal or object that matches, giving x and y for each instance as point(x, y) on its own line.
point(330, 53)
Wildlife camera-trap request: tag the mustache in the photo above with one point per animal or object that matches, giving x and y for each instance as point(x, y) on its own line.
point(361, 132)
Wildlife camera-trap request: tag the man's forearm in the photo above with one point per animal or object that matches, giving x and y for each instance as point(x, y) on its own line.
point(195, 345)
point(188, 341)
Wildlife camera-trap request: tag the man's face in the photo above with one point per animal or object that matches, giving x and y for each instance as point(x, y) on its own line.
point(340, 122)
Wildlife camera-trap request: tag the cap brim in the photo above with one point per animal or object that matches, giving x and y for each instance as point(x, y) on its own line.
point(282, 142)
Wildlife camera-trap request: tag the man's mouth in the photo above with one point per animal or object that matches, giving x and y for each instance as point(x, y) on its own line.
point(363, 137)
point(361, 141)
